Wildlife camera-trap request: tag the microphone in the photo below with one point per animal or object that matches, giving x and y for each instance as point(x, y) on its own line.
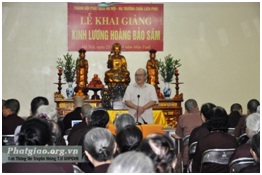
point(138, 123)
point(138, 96)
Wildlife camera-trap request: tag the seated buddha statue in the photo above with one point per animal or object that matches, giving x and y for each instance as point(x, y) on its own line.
point(117, 65)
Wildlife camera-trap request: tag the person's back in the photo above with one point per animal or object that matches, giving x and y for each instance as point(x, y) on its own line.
point(79, 130)
point(186, 123)
point(233, 119)
point(128, 138)
point(160, 148)
point(190, 120)
point(235, 115)
point(202, 130)
point(36, 132)
point(96, 118)
point(36, 103)
point(75, 114)
point(218, 138)
point(252, 106)
point(252, 128)
point(11, 120)
point(123, 120)
point(255, 151)
point(140, 163)
point(99, 146)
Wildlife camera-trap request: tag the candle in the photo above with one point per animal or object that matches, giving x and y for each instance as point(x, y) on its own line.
point(60, 71)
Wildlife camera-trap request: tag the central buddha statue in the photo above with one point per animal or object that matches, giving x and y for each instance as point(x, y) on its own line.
point(117, 65)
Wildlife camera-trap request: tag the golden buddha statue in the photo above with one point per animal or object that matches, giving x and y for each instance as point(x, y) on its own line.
point(117, 65)
point(81, 72)
point(152, 69)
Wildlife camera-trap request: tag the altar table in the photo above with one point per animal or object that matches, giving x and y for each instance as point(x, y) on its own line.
point(159, 117)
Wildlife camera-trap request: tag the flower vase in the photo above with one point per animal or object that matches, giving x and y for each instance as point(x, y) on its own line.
point(70, 90)
point(167, 90)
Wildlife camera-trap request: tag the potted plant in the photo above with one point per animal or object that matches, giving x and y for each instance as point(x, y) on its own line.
point(167, 69)
point(68, 65)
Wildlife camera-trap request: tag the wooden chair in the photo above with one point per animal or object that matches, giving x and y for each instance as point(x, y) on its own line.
point(216, 156)
point(236, 165)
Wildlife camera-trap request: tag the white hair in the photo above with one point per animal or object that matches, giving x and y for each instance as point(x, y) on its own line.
point(253, 124)
point(48, 112)
point(123, 120)
point(141, 163)
point(78, 101)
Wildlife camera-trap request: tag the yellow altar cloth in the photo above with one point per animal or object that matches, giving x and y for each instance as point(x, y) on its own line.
point(159, 117)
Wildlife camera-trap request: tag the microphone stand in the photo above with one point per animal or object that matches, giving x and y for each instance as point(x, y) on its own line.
point(144, 120)
point(138, 123)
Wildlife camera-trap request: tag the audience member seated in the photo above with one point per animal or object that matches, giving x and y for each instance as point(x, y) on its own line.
point(131, 162)
point(100, 146)
point(79, 130)
point(241, 126)
point(35, 104)
point(128, 138)
point(75, 114)
point(218, 138)
point(235, 115)
point(47, 112)
point(11, 119)
point(186, 123)
point(36, 131)
point(95, 117)
point(57, 137)
point(160, 149)
point(50, 114)
point(252, 128)
point(255, 151)
point(202, 130)
point(123, 120)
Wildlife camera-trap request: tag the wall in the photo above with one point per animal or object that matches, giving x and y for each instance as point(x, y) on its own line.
point(218, 44)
